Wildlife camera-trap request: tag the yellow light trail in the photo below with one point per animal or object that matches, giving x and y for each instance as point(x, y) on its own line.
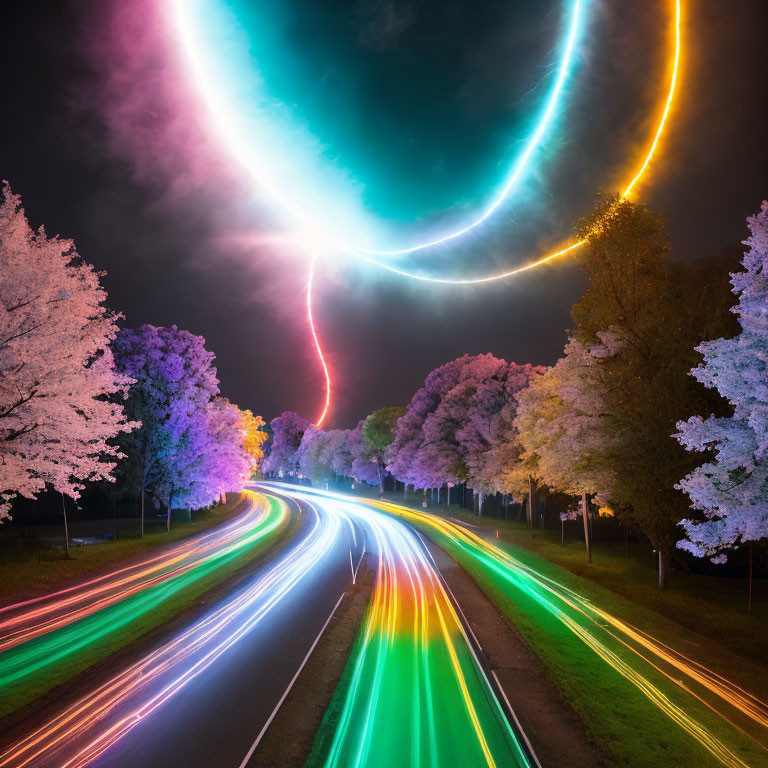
point(556, 599)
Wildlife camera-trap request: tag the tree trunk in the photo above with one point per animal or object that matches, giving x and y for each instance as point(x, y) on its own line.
point(530, 501)
point(749, 596)
point(585, 515)
point(381, 479)
point(168, 519)
point(66, 527)
point(438, 495)
point(480, 500)
point(562, 532)
point(626, 544)
point(424, 502)
point(142, 513)
point(662, 570)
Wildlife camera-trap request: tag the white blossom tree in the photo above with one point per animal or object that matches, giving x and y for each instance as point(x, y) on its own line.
point(563, 429)
point(732, 490)
point(59, 391)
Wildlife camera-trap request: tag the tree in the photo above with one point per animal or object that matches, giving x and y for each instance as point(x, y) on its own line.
point(288, 430)
point(732, 490)
point(652, 312)
point(254, 436)
point(314, 455)
point(364, 466)
point(565, 433)
point(378, 433)
point(459, 427)
point(60, 394)
point(208, 457)
point(174, 382)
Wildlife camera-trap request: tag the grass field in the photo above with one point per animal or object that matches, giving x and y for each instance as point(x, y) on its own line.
point(19, 580)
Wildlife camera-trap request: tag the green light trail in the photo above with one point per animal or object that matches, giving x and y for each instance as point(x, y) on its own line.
point(31, 663)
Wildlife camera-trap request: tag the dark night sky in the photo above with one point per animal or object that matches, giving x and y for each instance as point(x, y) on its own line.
point(385, 336)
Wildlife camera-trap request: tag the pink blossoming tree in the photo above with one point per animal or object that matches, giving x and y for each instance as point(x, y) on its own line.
point(60, 395)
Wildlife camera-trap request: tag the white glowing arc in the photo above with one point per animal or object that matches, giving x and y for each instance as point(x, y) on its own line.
point(223, 119)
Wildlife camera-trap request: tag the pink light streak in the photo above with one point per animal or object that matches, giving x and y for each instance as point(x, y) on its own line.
point(319, 349)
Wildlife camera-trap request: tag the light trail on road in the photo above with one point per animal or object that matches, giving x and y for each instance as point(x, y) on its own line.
point(88, 728)
point(675, 684)
point(635, 655)
point(38, 634)
point(417, 693)
point(22, 621)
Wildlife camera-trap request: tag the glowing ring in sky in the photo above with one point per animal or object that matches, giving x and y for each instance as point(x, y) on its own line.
point(573, 246)
point(209, 94)
point(220, 114)
point(675, 66)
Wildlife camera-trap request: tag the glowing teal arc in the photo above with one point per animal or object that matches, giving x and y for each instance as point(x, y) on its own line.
point(255, 136)
point(520, 165)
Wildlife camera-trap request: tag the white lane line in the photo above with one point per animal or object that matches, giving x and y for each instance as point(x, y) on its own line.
point(255, 744)
point(517, 722)
point(357, 567)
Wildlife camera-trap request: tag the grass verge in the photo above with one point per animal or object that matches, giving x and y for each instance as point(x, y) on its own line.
point(23, 580)
point(631, 729)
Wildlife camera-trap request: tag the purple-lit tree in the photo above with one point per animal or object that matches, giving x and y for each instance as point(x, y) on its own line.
point(174, 383)
point(59, 391)
point(405, 456)
point(209, 459)
point(488, 437)
point(341, 455)
point(288, 430)
point(459, 426)
point(732, 490)
point(364, 468)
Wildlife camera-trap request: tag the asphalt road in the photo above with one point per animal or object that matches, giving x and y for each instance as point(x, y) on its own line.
point(215, 719)
point(202, 697)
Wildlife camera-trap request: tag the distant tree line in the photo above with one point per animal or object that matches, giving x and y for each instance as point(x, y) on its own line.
point(83, 401)
point(658, 369)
